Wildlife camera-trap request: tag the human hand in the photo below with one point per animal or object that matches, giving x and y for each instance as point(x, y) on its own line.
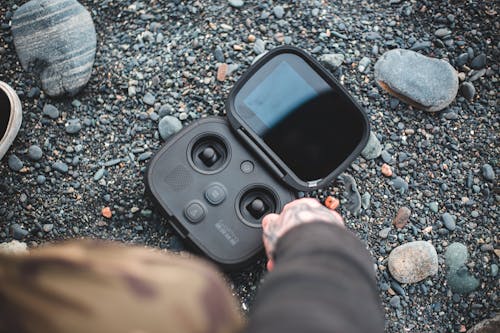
point(297, 212)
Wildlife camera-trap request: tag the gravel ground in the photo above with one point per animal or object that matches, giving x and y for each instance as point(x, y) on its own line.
point(158, 58)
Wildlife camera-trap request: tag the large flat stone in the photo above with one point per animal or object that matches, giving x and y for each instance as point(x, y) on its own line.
point(56, 39)
point(427, 83)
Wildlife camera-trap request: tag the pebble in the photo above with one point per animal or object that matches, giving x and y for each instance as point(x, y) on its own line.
point(449, 221)
point(456, 255)
point(468, 91)
point(145, 156)
point(65, 40)
point(395, 301)
point(259, 46)
point(434, 207)
point(386, 170)
point(494, 270)
point(149, 99)
point(462, 59)
point(60, 166)
point(412, 262)
point(73, 126)
point(48, 227)
point(236, 3)
point(50, 111)
point(40, 179)
point(99, 174)
point(221, 72)
point(15, 163)
point(18, 232)
point(426, 83)
point(479, 61)
point(459, 278)
point(441, 33)
point(13, 247)
point(363, 64)
point(169, 125)
point(365, 200)
point(384, 233)
point(488, 172)
point(402, 217)
point(35, 153)
point(399, 184)
point(353, 203)
point(332, 61)
point(386, 157)
point(373, 148)
point(278, 12)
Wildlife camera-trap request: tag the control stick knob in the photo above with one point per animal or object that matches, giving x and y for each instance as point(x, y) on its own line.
point(208, 156)
point(257, 208)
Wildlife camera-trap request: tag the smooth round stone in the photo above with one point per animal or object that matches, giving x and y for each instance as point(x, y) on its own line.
point(40, 179)
point(462, 59)
point(332, 61)
point(236, 3)
point(279, 11)
point(413, 262)
point(395, 301)
point(373, 148)
point(488, 172)
point(15, 163)
point(426, 83)
point(60, 166)
point(449, 221)
point(479, 62)
point(73, 126)
point(169, 125)
point(64, 39)
point(461, 281)
point(456, 255)
point(468, 91)
point(35, 153)
point(149, 99)
point(50, 111)
point(18, 232)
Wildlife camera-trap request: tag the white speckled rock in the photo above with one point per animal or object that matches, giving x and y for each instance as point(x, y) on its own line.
point(413, 262)
point(13, 247)
point(55, 39)
point(426, 83)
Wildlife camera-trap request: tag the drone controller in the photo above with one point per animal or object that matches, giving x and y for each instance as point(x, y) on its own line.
point(290, 127)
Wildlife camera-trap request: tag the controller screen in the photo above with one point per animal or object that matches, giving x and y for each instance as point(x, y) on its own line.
point(309, 124)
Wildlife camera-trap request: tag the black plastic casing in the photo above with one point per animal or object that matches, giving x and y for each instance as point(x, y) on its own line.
point(254, 142)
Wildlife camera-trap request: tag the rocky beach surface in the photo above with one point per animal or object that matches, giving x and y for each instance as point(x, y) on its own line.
point(423, 195)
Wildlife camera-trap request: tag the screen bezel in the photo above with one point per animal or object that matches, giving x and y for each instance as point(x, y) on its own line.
point(309, 69)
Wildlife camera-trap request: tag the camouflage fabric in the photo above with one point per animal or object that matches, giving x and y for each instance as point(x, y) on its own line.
point(93, 286)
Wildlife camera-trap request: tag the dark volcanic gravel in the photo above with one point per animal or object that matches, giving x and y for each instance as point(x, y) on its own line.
point(160, 58)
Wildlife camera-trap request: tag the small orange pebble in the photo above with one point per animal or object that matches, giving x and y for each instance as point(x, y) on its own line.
point(251, 38)
point(463, 328)
point(221, 72)
point(106, 212)
point(331, 202)
point(386, 170)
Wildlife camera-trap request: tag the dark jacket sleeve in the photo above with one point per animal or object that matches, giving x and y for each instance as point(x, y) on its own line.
point(323, 281)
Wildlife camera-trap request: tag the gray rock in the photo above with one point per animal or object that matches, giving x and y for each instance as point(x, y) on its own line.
point(35, 153)
point(413, 262)
point(50, 111)
point(99, 174)
point(149, 99)
point(384, 233)
point(479, 62)
point(60, 166)
point(461, 281)
point(488, 172)
point(395, 301)
point(456, 255)
point(363, 64)
point(236, 3)
point(441, 33)
point(40, 179)
point(426, 83)
point(365, 200)
point(55, 39)
point(260, 46)
point(462, 59)
point(468, 91)
point(169, 125)
point(449, 221)
point(48, 227)
point(373, 148)
point(353, 203)
point(73, 126)
point(15, 163)
point(399, 184)
point(278, 12)
point(332, 61)
point(434, 207)
point(18, 232)
point(145, 156)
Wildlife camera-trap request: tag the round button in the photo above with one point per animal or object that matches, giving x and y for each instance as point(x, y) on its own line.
point(194, 211)
point(215, 194)
point(247, 166)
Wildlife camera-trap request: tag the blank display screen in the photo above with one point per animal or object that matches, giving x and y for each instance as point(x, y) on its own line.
point(310, 125)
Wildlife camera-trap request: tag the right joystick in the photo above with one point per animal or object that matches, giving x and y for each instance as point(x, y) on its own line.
point(257, 208)
point(209, 156)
